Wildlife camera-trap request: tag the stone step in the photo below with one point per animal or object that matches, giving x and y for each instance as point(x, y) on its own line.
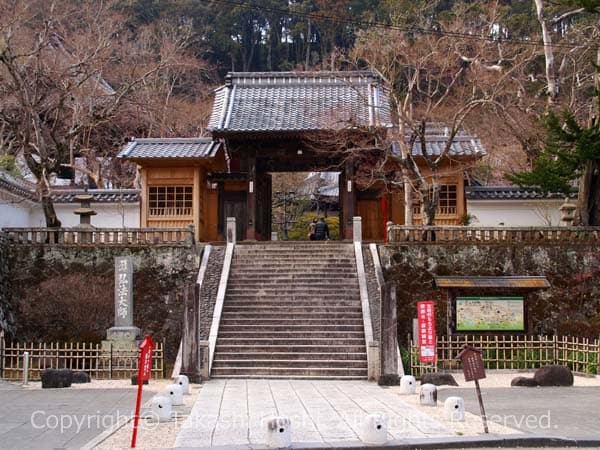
point(235, 284)
point(339, 316)
point(298, 296)
point(291, 356)
point(289, 371)
point(283, 302)
point(290, 377)
point(287, 321)
point(293, 278)
point(286, 290)
point(253, 334)
point(250, 271)
point(284, 309)
point(299, 341)
point(289, 363)
point(226, 327)
point(298, 348)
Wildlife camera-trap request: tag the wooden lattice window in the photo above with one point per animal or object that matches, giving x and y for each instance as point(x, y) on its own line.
point(448, 196)
point(447, 203)
point(170, 200)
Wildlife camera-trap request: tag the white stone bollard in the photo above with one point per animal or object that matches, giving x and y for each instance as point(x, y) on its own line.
point(428, 396)
point(408, 385)
point(184, 382)
point(161, 408)
point(373, 429)
point(279, 432)
point(175, 393)
point(454, 407)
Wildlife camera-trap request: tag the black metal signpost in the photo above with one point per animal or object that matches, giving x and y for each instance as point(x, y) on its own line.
point(473, 370)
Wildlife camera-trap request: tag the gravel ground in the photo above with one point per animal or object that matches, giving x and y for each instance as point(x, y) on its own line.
point(497, 379)
point(152, 434)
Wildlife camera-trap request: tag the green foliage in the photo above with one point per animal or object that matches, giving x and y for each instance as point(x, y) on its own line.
point(569, 146)
point(300, 230)
point(9, 163)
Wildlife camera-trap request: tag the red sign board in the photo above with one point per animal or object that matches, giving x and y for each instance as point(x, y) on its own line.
point(145, 366)
point(426, 330)
point(144, 370)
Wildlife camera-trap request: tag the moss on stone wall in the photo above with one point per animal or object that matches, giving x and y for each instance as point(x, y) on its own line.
point(570, 307)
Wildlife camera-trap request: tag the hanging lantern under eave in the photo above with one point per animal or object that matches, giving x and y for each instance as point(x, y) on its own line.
point(567, 211)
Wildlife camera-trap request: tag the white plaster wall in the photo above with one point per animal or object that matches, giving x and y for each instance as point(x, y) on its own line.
point(14, 215)
point(515, 213)
point(108, 215)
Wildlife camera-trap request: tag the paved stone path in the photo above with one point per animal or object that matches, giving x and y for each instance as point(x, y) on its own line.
point(59, 418)
point(232, 412)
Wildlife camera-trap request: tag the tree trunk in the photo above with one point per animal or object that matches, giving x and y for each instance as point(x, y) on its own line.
point(308, 35)
point(588, 203)
point(52, 220)
point(548, 52)
point(408, 203)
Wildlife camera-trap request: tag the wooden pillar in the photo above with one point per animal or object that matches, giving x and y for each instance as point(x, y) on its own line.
point(251, 198)
point(190, 351)
point(197, 206)
point(144, 198)
point(349, 196)
point(389, 336)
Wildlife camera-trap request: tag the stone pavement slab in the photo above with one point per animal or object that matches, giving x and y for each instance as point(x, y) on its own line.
point(322, 412)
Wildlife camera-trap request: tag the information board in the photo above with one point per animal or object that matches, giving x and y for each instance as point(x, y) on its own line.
point(490, 313)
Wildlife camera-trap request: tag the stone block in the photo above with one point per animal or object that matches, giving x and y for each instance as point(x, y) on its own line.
point(523, 382)
point(554, 375)
point(57, 378)
point(81, 377)
point(373, 429)
point(439, 379)
point(428, 395)
point(134, 380)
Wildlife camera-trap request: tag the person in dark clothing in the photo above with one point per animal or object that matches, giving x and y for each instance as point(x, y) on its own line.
point(321, 230)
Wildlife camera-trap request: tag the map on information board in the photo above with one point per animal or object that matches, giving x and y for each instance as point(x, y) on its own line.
point(490, 314)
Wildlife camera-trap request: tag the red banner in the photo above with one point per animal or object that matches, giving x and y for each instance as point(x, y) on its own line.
point(144, 370)
point(145, 367)
point(426, 325)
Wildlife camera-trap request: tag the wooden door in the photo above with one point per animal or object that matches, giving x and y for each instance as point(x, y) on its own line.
point(369, 209)
point(233, 204)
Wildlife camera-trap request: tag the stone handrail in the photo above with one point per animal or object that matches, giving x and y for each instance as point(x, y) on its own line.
point(453, 234)
point(100, 236)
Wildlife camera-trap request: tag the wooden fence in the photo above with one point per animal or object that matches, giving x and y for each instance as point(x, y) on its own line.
point(101, 236)
point(461, 234)
point(108, 362)
point(514, 352)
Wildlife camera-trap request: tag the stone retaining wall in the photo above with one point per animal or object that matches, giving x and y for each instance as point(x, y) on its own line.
point(373, 292)
point(160, 274)
point(210, 286)
point(570, 307)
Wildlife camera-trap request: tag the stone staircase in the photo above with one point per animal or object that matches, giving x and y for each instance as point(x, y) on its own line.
point(292, 310)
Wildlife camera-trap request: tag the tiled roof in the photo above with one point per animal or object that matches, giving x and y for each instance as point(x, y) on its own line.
point(170, 148)
point(509, 193)
point(304, 101)
point(17, 185)
point(27, 190)
point(461, 146)
point(99, 195)
point(434, 145)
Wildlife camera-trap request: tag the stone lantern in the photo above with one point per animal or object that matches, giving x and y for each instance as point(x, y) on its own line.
point(567, 211)
point(85, 212)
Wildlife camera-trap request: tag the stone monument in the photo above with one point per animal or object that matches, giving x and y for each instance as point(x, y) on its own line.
point(124, 331)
